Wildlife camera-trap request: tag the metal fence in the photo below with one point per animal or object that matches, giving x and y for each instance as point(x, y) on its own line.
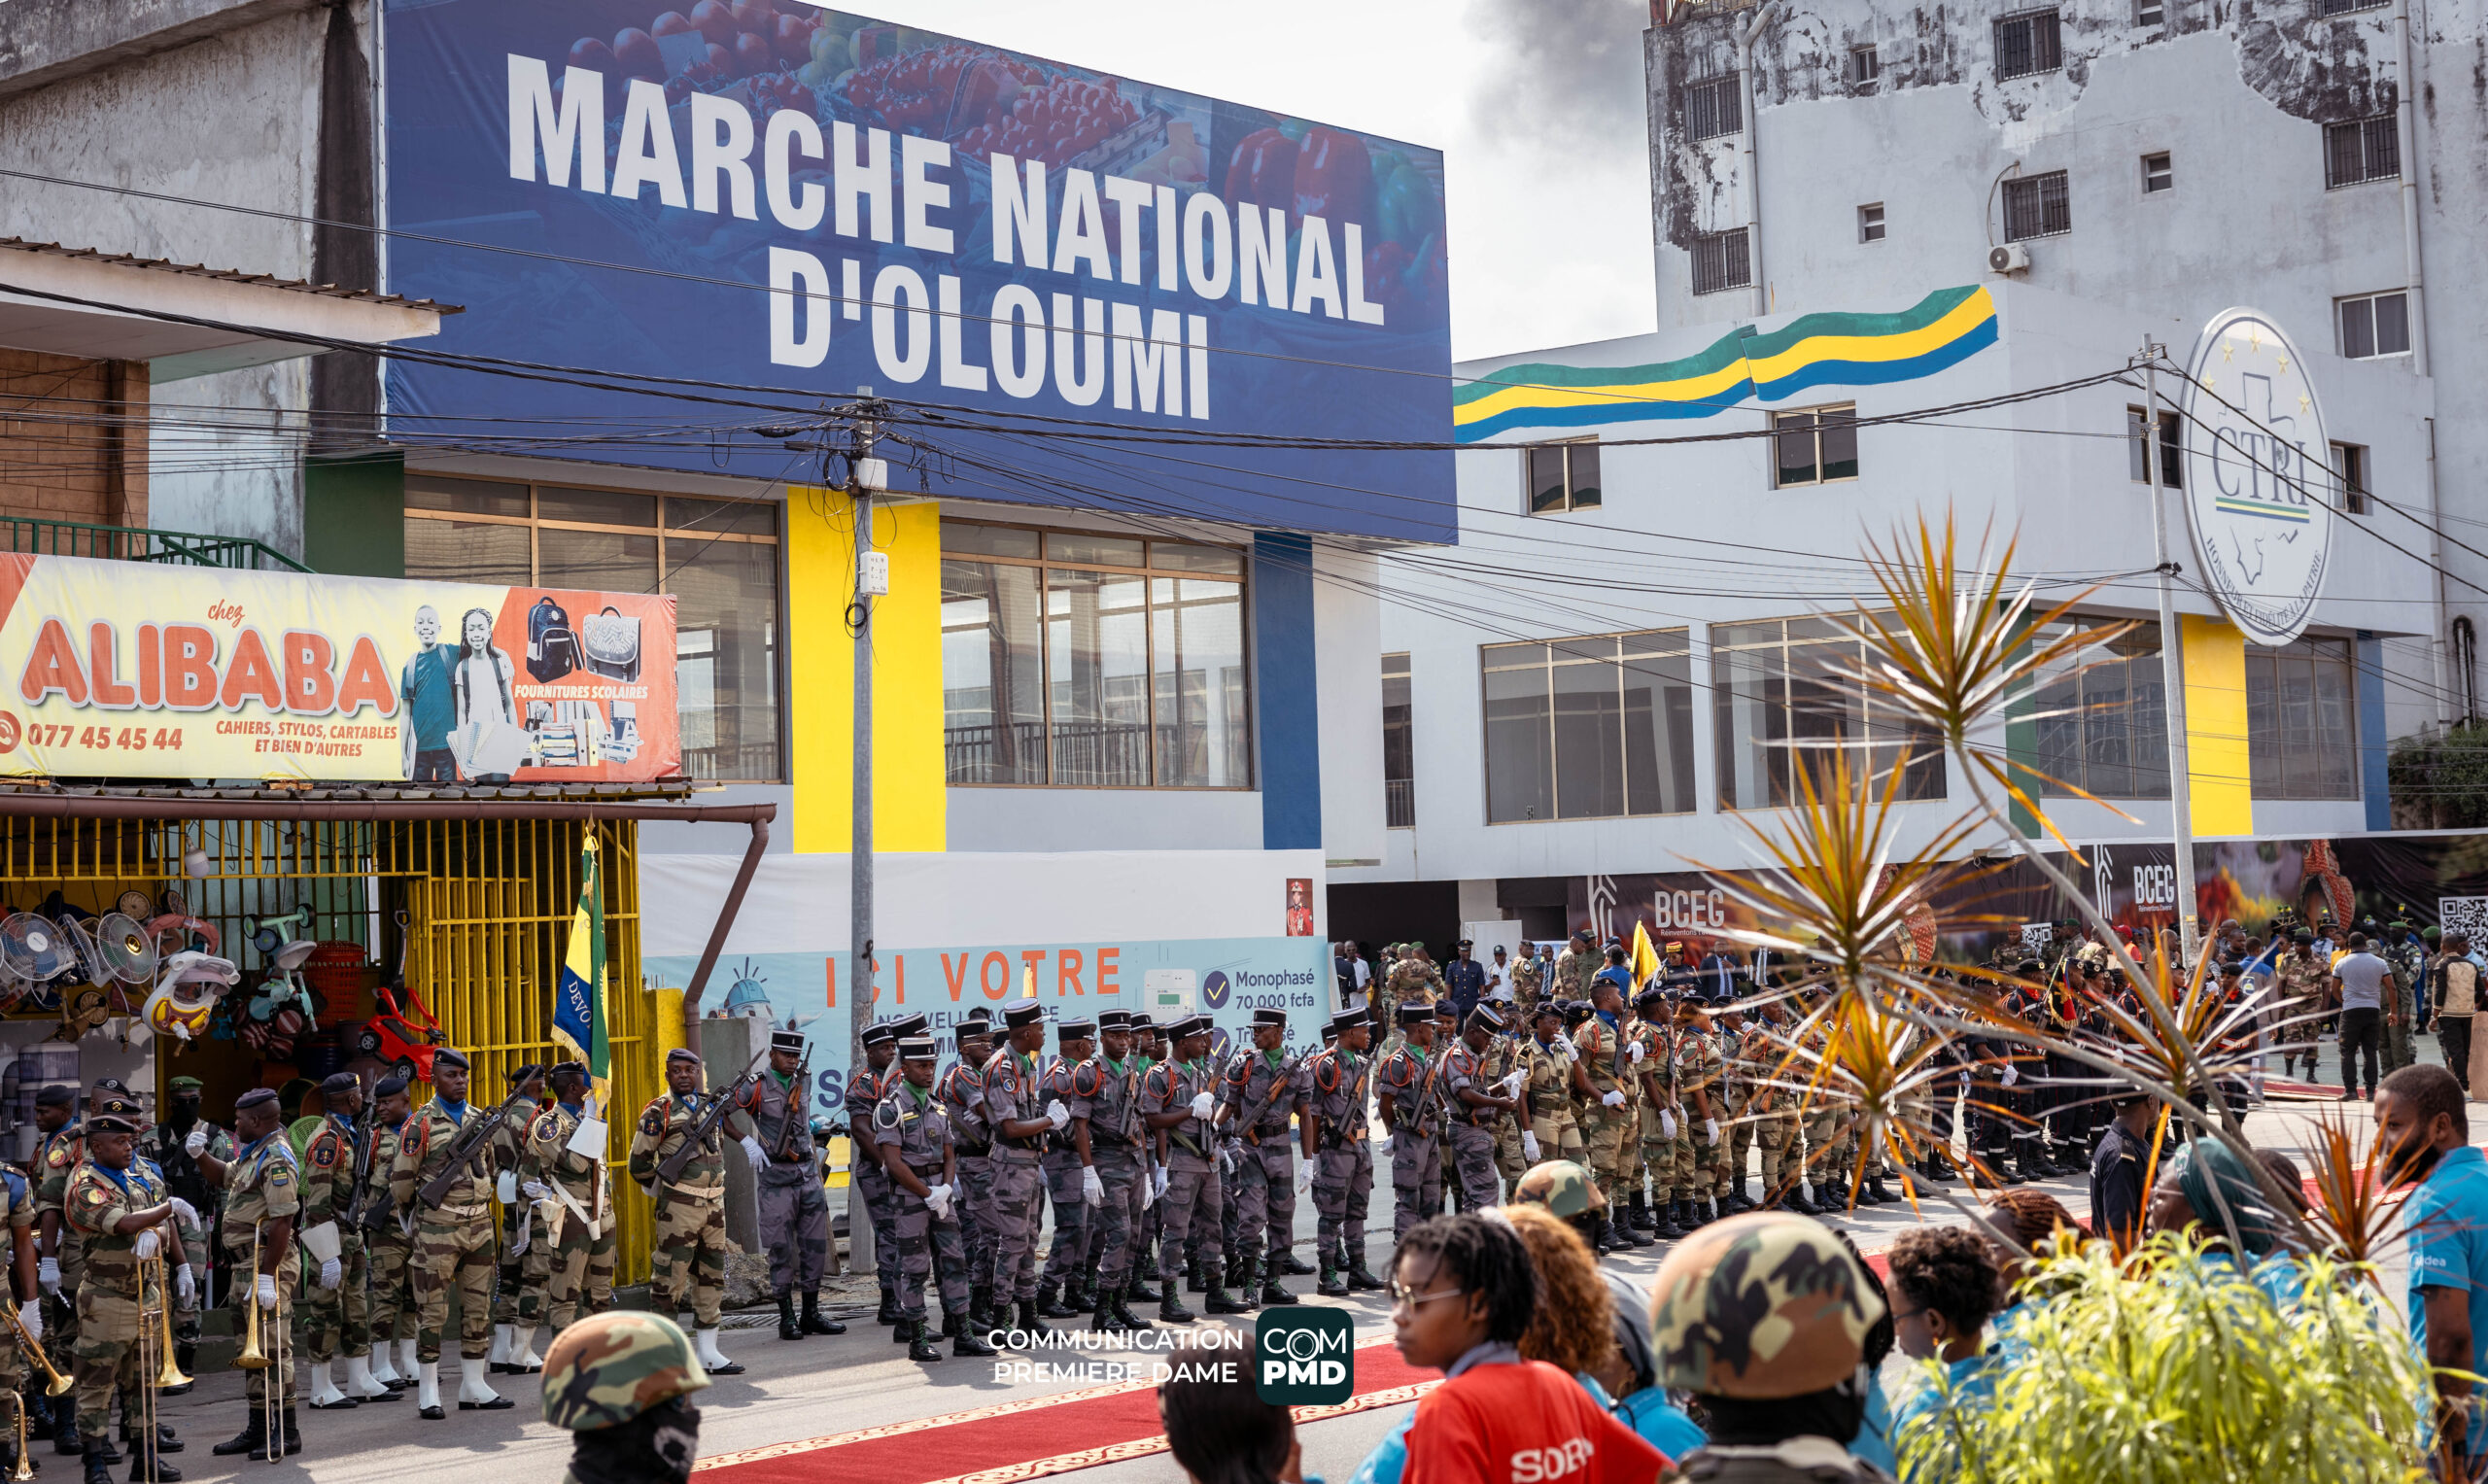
point(133, 543)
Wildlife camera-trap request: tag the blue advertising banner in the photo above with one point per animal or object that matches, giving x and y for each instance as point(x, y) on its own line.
point(1227, 978)
point(770, 194)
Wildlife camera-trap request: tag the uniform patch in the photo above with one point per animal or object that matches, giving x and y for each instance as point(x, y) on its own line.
point(280, 1175)
point(652, 1122)
point(324, 1154)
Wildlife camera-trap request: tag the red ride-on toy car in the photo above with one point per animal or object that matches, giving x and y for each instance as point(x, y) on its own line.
point(403, 1032)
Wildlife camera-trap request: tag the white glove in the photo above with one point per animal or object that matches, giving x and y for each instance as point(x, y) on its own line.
point(1160, 1193)
point(1382, 1146)
point(47, 1274)
point(1059, 1116)
point(147, 1245)
point(30, 1315)
point(1226, 1159)
point(184, 1212)
point(185, 1286)
point(331, 1273)
point(1613, 1100)
point(1528, 1146)
point(2012, 1074)
point(1304, 1178)
point(1202, 1105)
point(196, 1144)
point(1666, 1124)
point(1634, 1051)
point(1564, 1044)
point(1512, 1085)
point(1148, 1193)
point(1710, 1130)
point(752, 1150)
point(537, 1190)
point(506, 1188)
point(939, 1198)
point(1092, 1190)
point(266, 1291)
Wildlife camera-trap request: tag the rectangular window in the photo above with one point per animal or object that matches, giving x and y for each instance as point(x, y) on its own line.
point(1593, 727)
point(2346, 6)
point(2027, 44)
point(1870, 223)
point(718, 557)
point(2101, 716)
point(2037, 206)
point(2350, 479)
point(1816, 446)
point(2376, 324)
point(1399, 746)
point(2301, 720)
point(2149, 14)
point(2169, 454)
point(2157, 175)
point(1720, 261)
point(2359, 151)
point(1088, 661)
point(1562, 476)
point(1715, 108)
point(1864, 66)
point(1781, 699)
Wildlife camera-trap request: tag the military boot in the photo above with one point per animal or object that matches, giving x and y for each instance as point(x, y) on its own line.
point(147, 1465)
point(1171, 1310)
point(787, 1326)
point(166, 1440)
point(1794, 1199)
point(1330, 1285)
point(919, 1340)
point(97, 1470)
point(1297, 1267)
point(1360, 1278)
point(1192, 1282)
point(1633, 1236)
point(1271, 1290)
point(1028, 1321)
point(1216, 1300)
point(1107, 1319)
point(1122, 1309)
point(252, 1438)
point(966, 1342)
point(282, 1443)
point(64, 1438)
point(1639, 1218)
point(1667, 1228)
point(1240, 1273)
point(1087, 1280)
point(890, 1312)
point(813, 1323)
point(955, 1323)
point(981, 1310)
point(1737, 1200)
point(1055, 1303)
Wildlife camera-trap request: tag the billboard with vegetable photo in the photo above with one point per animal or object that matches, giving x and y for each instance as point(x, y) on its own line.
point(780, 203)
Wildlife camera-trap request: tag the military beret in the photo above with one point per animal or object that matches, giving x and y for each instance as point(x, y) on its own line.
point(1114, 1020)
point(338, 1084)
point(1074, 1031)
point(451, 1056)
point(1268, 1017)
point(1019, 1017)
point(918, 1049)
point(388, 1086)
point(111, 1104)
point(257, 1097)
point(185, 1084)
point(1650, 997)
point(56, 1095)
point(683, 1053)
point(112, 1084)
point(113, 1123)
point(562, 1068)
point(1416, 1015)
point(1465, 944)
point(1549, 1010)
point(526, 1071)
point(1446, 1011)
point(874, 1035)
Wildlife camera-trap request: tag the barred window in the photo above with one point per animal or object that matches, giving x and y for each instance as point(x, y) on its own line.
point(1720, 261)
point(1713, 109)
point(2359, 151)
point(2037, 206)
point(2027, 44)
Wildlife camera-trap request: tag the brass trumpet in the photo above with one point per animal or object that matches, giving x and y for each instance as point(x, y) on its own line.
point(55, 1383)
point(26, 1468)
point(169, 1374)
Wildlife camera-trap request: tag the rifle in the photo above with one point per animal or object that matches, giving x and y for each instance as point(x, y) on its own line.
point(798, 1102)
point(670, 1169)
point(1286, 1077)
point(465, 1148)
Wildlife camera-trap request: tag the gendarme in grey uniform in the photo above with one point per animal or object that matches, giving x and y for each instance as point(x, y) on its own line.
point(1266, 1089)
point(794, 1214)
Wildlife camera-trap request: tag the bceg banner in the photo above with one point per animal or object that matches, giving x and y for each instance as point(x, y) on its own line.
point(119, 669)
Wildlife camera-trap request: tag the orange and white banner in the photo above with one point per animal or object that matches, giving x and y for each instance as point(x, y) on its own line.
point(131, 670)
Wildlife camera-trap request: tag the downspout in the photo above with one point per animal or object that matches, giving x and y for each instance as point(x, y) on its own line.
point(1747, 34)
point(2405, 127)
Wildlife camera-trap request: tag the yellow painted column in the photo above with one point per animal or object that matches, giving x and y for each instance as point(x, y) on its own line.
point(909, 802)
point(2218, 768)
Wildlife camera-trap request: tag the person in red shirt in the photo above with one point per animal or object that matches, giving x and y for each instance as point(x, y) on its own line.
point(1463, 1289)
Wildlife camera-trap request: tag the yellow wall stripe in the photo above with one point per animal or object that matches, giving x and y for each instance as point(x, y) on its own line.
point(2218, 770)
point(910, 804)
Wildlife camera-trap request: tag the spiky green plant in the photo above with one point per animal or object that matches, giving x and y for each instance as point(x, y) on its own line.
point(2174, 1367)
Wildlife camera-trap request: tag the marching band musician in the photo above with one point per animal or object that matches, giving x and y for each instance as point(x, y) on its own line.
point(119, 1209)
point(263, 1199)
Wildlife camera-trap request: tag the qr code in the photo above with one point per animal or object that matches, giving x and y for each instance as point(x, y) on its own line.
point(2036, 936)
point(2462, 914)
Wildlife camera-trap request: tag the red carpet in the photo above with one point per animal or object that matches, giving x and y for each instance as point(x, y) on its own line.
point(1029, 1438)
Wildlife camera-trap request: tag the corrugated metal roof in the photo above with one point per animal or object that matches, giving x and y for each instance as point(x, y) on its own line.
point(228, 275)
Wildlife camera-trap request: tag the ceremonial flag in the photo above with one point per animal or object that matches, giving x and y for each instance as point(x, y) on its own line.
point(1645, 957)
point(578, 999)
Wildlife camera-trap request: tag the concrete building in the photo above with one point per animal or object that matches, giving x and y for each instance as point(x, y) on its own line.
point(2137, 170)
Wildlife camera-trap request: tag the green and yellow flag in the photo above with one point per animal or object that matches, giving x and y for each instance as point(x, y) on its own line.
point(578, 999)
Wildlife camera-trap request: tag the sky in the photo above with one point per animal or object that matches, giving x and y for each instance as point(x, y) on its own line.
point(1537, 106)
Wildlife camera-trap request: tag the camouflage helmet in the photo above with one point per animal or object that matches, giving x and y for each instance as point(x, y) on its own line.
point(1763, 1307)
point(1561, 1186)
point(608, 1368)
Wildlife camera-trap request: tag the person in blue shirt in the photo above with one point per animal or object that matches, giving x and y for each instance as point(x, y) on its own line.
point(1464, 979)
point(1942, 1284)
point(430, 707)
point(2424, 1131)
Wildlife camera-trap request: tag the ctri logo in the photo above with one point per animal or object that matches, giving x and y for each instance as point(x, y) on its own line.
point(1305, 1357)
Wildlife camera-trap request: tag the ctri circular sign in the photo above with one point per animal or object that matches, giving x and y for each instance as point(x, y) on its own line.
point(2260, 489)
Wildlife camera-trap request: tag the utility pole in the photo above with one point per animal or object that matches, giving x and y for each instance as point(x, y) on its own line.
point(2172, 659)
point(872, 580)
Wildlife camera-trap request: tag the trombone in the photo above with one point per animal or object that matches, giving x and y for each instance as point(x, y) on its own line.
point(270, 1357)
point(55, 1382)
point(156, 1368)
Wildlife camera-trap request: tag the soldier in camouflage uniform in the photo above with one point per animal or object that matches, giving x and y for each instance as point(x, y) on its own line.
point(1016, 1109)
point(520, 1278)
point(687, 1255)
point(582, 1280)
point(2302, 982)
point(17, 1206)
point(1737, 1088)
point(1179, 1106)
point(336, 1313)
point(61, 1253)
point(866, 1087)
point(121, 1209)
point(1528, 977)
point(1414, 981)
point(916, 1149)
point(1336, 1152)
point(1507, 1053)
point(1611, 1116)
point(2406, 956)
point(1701, 1163)
point(263, 1210)
point(1070, 1267)
point(453, 1241)
point(774, 1116)
point(1263, 1090)
point(1554, 1133)
point(1409, 1100)
point(161, 1146)
point(1476, 1102)
point(389, 1246)
point(1770, 1111)
point(618, 1382)
point(961, 1089)
point(1661, 1120)
point(1575, 967)
point(1115, 1176)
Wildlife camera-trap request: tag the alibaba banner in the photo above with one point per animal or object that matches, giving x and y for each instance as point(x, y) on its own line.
point(126, 669)
point(788, 203)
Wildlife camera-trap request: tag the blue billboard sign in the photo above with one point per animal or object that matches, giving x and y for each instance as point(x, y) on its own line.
point(1080, 275)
